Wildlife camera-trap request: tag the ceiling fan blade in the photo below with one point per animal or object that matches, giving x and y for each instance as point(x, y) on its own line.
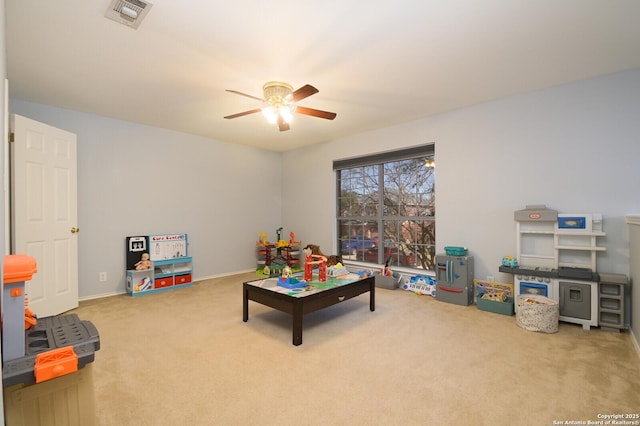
point(316, 113)
point(241, 114)
point(244, 94)
point(304, 92)
point(282, 125)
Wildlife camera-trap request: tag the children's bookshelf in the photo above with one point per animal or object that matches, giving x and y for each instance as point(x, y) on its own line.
point(157, 263)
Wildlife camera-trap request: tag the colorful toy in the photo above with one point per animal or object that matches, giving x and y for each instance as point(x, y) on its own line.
point(144, 262)
point(331, 259)
point(286, 254)
point(291, 282)
point(286, 272)
point(337, 270)
point(293, 241)
point(30, 318)
point(387, 268)
point(421, 285)
point(311, 262)
point(364, 273)
point(510, 261)
point(145, 284)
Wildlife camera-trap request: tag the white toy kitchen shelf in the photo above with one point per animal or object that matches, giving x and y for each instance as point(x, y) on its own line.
point(570, 240)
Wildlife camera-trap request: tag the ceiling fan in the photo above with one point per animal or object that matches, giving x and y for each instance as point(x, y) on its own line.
point(279, 104)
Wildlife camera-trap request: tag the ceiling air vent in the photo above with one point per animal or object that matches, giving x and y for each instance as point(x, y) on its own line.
point(128, 12)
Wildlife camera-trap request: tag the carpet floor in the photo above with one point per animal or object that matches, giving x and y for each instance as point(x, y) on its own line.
point(185, 357)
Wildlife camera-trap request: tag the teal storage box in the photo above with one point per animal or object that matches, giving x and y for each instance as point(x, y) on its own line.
point(455, 251)
point(496, 306)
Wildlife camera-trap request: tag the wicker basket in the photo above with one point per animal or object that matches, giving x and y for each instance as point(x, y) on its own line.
point(537, 313)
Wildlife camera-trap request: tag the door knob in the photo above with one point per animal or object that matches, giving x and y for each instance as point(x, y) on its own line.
point(75, 230)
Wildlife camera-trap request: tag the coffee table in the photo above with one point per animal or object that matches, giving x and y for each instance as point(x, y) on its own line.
point(298, 302)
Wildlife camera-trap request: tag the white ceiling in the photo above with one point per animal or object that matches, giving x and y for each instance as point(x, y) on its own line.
point(376, 63)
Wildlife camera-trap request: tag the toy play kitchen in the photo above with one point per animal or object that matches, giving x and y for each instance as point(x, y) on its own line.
point(35, 350)
point(454, 276)
point(556, 258)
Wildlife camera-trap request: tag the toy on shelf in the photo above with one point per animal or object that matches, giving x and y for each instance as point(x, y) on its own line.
point(145, 284)
point(144, 262)
point(510, 261)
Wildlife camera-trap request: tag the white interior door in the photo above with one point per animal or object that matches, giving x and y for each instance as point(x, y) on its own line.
point(44, 212)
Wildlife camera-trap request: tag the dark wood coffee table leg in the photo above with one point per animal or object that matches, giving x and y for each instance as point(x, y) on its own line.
point(372, 296)
point(245, 304)
point(297, 322)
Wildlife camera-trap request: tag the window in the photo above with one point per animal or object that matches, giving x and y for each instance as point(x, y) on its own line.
point(386, 208)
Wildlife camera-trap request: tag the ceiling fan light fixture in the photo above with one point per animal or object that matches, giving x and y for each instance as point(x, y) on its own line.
point(277, 90)
point(270, 112)
point(286, 112)
point(278, 102)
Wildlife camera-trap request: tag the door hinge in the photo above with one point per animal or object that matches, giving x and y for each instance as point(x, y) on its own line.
point(12, 137)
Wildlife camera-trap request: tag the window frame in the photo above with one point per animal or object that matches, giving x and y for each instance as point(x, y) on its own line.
point(379, 160)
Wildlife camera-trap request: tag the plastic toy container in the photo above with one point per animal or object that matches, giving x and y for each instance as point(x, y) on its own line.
point(455, 251)
point(496, 306)
point(66, 400)
point(384, 281)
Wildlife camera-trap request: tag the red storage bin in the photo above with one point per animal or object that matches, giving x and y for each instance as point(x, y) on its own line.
point(164, 282)
point(183, 279)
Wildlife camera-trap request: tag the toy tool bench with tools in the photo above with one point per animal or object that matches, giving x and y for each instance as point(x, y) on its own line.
point(35, 350)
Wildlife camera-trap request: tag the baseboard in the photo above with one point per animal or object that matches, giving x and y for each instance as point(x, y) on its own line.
point(100, 296)
point(226, 274)
point(195, 280)
point(635, 342)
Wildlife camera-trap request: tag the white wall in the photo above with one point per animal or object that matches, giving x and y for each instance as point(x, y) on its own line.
point(633, 222)
point(3, 158)
point(574, 148)
point(140, 180)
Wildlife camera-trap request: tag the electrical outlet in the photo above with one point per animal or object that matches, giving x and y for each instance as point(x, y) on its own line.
point(490, 278)
point(103, 277)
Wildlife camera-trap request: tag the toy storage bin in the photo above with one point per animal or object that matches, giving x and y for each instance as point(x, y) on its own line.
point(502, 307)
point(383, 281)
point(537, 313)
point(455, 251)
point(66, 400)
